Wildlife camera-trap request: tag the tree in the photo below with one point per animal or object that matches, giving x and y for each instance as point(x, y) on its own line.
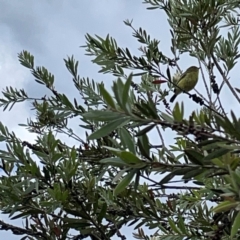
point(118, 175)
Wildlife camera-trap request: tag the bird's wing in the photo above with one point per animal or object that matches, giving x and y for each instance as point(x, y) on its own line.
point(181, 77)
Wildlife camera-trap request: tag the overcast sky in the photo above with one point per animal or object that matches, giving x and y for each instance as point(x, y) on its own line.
point(51, 30)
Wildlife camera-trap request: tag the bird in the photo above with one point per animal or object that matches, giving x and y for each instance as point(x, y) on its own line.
point(186, 82)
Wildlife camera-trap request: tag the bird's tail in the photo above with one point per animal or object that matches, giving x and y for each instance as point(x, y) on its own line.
point(173, 97)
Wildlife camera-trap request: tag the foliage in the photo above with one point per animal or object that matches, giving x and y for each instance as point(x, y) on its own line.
point(118, 175)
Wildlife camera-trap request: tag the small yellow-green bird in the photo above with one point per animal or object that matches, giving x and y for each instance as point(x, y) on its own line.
point(186, 82)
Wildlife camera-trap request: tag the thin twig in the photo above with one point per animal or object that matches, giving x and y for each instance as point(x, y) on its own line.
point(225, 78)
point(160, 135)
point(177, 187)
point(19, 231)
point(221, 106)
point(70, 134)
point(205, 83)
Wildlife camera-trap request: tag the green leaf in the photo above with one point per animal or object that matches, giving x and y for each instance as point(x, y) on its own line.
point(102, 213)
point(142, 109)
point(75, 222)
point(2, 138)
point(66, 101)
point(167, 118)
point(106, 96)
point(236, 225)
point(125, 94)
point(118, 162)
point(113, 150)
point(118, 89)
point(167, 178)
point(30, 188)
point(193, 173)
point(129, 158)
point(226, 124)
point(145, 130)
point(182, 171)
point(194, 156)
point(181, 225)
point(3, 129)
point(238, 90)
point(76, 213)
point(174, 227)
point(124, 183)
point(152, 8)
point(143, 145)
point(177, 113)
point(225, 206)
point(151, 106)
point(206, 143)
point(108, 128)
point(27, 213)
point(227, 146)
point(100, 115)
point(216, 154)
point(139, 74)
point(120, 174)
point(126, 139)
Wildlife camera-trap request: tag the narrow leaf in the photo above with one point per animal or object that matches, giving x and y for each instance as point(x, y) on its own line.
point(216, 153)
point(124, 183)
point(125, 94)
point(129, 157)
point(108, 128)
point(236, 225)
point(106, 96)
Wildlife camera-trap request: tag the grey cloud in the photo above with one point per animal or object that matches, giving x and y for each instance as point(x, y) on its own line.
point(23, 23)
